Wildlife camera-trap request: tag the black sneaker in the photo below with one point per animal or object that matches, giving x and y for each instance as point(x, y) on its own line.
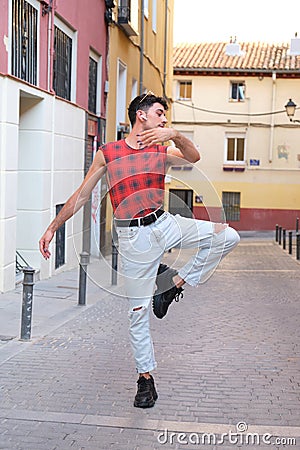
point(146, 393)
point(166, 291)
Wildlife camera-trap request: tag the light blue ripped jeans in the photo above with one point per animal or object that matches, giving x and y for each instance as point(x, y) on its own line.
point(141, 250)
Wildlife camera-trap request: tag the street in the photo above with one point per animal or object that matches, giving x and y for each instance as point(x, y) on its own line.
point(227, 355)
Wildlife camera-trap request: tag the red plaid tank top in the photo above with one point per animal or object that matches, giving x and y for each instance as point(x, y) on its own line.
point(135, 178)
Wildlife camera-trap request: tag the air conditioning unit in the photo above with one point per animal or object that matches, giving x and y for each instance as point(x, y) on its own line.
point(233, 49)
point(295, 47)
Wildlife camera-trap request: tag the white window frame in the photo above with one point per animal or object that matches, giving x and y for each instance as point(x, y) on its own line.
point(146, 9)
point(134, 88)
point(154, 16)
point(98, 58)
point(72, 34)
point(121, 93)
point(134, 14)
point(242, 99)
point(234, 136)
point(180, 82)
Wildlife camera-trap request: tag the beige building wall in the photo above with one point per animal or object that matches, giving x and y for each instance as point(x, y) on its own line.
point(269, 192)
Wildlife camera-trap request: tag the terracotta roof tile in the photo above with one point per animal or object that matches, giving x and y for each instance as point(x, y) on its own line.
point(256, 56)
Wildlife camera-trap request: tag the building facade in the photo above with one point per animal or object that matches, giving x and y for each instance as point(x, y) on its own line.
point(53, 72)
point(230, 99)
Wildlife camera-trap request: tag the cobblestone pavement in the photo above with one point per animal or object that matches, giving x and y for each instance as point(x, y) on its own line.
point(227, 354)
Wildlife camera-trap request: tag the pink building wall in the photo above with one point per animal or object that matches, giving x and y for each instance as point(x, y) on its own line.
point(3, 32)
point(87, 18)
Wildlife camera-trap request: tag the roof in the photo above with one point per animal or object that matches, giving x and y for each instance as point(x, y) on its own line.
point(254, 56)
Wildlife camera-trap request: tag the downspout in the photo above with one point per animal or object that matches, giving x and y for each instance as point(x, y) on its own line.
point(51, 45)
point(272, 117)
point(165, 49)
point(50, 89)
point(142, 49)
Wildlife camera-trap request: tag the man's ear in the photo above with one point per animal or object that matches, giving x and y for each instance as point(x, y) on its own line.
point(142, 115)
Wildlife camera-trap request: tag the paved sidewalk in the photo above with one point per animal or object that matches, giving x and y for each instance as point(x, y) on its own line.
point(227, 354)
point(55, 302)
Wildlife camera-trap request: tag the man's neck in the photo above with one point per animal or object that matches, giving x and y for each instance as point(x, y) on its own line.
point(132, 139)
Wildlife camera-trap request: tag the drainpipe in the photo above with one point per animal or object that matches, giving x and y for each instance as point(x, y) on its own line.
point(272, 117)
point(51, 45)
point(142, 49)
point(165, 48)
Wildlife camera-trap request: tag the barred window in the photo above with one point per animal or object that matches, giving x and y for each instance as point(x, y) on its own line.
point(93, 73)
point(231, 205)
point(62, 64)
point(24, 41)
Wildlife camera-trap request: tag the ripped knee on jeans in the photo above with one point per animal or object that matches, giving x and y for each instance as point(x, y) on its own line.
point(138, 308)
point(218, 227)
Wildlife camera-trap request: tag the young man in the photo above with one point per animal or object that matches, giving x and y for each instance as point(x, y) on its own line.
point(135, 168)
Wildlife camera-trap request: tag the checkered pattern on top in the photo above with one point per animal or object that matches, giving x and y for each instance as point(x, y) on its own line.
point(135, 178)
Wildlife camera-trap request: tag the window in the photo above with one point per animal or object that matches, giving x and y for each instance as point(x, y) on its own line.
point(24, 41)
point(235, 149)
point(93, 69)
point(121, 94)
point(154, 15)
point(185, 90)
point(62, 64)
point(181, 202)
point(237, 91)
point(146, 8)
point(231, 205)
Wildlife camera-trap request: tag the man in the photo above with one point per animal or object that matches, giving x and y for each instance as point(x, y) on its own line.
point(135, 168)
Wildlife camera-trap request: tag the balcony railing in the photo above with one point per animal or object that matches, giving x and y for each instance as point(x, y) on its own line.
point(124, 20)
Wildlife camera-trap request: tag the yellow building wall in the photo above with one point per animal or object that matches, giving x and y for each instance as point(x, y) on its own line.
point(127, 50)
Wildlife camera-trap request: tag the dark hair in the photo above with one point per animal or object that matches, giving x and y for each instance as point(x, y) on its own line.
point(144, 102)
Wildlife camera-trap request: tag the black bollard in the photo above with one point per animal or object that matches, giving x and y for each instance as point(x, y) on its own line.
point(276, 233)
point(298, 246)
point(279, 235)
point(284, 239)
point(84, 260)
point(27, 300)
point(290, 242)
point(297, 224)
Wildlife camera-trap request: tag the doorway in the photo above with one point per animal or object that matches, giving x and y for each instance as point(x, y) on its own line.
point(181, 202)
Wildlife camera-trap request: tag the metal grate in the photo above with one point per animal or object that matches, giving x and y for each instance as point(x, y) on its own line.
point(231, 204)
point(20, 263)
point(93, 69)
point(24, 41)
point(62, 64)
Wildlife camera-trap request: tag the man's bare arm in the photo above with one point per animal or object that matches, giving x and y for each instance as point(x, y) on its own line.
point(75, 202)
point(184, 147)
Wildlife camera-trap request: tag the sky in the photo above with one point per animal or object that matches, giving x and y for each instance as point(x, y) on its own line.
point(217, 20)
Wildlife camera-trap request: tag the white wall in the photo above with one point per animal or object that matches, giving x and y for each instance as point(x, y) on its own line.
point(41, 163)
